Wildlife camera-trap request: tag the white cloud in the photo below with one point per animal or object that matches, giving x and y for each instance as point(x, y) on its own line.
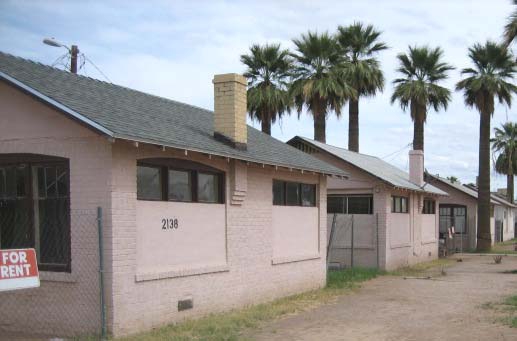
point(173, 49)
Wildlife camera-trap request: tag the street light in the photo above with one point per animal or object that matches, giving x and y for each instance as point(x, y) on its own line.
point(73, 50)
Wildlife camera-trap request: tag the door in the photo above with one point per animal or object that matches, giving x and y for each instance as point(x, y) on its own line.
point(453, 217)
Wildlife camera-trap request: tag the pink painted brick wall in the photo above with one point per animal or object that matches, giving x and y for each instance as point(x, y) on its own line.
point(66, 303)
point(250, 277)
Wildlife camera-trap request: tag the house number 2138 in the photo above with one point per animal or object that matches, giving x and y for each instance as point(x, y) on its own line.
point(170, 224)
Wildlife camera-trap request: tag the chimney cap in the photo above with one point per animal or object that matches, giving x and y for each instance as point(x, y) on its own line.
point(230, 77)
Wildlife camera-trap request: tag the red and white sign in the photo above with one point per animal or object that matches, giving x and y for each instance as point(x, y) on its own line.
point(18, 269)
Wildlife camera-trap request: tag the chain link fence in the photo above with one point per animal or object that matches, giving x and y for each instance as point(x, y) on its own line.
point(68, 301)
point(352, 241)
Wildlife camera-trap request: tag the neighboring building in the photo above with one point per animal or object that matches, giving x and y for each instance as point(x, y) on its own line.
point(189, 216)
point(395, 216)
point(459, 210)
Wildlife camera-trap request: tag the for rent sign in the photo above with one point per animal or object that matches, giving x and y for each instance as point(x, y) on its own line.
point(18, 269)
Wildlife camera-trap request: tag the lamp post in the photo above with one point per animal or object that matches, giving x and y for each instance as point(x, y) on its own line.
point(74, 51)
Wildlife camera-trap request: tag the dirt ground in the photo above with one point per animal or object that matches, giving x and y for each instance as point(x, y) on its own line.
point(393, 308)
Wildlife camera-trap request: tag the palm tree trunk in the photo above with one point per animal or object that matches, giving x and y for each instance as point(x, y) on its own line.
point(319, 127)
point(484, 237)
point(353, 125)
point(509, 176)
point(266, 126)
point(418, 129)
point(509, 188)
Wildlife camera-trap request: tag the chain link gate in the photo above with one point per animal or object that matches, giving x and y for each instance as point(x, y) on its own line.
point(352, 241)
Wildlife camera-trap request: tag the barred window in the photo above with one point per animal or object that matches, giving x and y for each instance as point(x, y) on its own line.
point(35, 207)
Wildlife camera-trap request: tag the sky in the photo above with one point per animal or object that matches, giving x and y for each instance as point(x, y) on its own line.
point(173, 49)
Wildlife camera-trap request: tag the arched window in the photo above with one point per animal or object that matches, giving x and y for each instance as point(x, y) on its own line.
point(35, 207)
point(168, 179)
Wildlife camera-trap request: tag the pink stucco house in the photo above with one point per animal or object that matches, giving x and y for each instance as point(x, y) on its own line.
point(394, 212)
point(201, 213)
point(459, 209)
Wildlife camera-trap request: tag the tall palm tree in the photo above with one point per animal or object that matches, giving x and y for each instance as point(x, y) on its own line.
point(510, 30)
point(492, 76)
point(360, 43)
point(318, 82)
point(422, 70)
point(505, 145)
point(268, 72)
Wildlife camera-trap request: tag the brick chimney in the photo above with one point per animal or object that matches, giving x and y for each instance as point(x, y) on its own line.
point(230, 110)
point(416, 167)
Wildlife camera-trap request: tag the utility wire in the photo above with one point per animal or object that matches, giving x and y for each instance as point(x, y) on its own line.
point(397, 151)
point(95, 66)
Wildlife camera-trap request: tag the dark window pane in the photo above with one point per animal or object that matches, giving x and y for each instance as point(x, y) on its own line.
point(62, 181)
point(149, 183)
point(11, 182)
point(21, 180)
point(3, 186)
point(292, 193)
point(207, 187)
point(359, 205)
point(180, 186)
point(15, 224)
point(397, 204)
point(308, 195)
point(53, 222)
point(429, 206)
point(50, 181)
point(403, 205)
point(42, 192)
point(336, 204)
point(278, 192)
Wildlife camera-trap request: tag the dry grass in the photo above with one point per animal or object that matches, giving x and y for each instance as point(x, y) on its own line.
point(432, 268)
point(230, 325)
point(507, 308)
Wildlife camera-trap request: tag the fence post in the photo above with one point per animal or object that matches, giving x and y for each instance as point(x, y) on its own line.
point(352, 245)
point(101, 273)
point(377, 237)
point(330, 238)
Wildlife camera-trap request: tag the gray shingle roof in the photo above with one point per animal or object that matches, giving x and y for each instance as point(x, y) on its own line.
point(129, 114)
point(374, 166)
point(494, 199)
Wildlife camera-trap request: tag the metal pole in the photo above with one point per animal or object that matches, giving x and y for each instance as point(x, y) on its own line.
point(330, 238)
point(377, 237)
point(101, 273)
point(74, 51)
point(352, 244)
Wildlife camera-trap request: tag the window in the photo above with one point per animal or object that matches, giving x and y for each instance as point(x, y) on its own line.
point(350, 204)
point(35, 208)
point(149, 185)
point(429, 206)
point(287, 193)
point(452, 216)
point(207, 187)
point(399, 204)
point(179, 180)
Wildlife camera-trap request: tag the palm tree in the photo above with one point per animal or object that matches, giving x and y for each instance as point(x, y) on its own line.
point(491, 76)
point(510, 30)
point(452, 179)
point(422, 69)
point(318, 81)
point(360, 43)
point(505, 145)
point(268, 74)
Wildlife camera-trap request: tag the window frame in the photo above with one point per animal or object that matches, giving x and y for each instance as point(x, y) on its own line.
point(194, 168)
point(300, 193)
point(450, 208)
point(433, 202)
point(400, 198)
point(345, 197)
point(40, 160)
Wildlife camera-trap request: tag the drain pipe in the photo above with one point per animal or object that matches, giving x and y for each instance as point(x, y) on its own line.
point(101, 273)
